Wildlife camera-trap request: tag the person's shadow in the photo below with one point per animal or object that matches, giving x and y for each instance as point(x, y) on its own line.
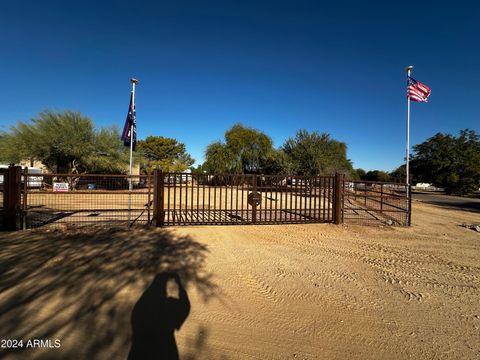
point(155, 317)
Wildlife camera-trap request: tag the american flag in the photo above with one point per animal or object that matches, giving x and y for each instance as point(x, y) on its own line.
point(417, 91)
point(130, 125)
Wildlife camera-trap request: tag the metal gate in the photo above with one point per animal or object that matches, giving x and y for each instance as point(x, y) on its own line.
point(208, 199)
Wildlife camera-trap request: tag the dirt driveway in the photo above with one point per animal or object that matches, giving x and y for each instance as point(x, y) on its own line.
point(255, 292)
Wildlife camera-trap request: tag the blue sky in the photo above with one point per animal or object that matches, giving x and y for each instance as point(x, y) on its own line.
point(278, 66)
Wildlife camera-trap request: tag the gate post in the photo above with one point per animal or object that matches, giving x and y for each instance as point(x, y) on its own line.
point(254, 207)
point(337, 199)
point(158, 196)
point(12, 181)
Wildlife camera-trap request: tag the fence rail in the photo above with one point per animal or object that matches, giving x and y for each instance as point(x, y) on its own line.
point(366, 201)
point(171, 199)
point(56, 199)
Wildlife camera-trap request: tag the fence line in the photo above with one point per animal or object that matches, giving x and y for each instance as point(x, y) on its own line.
point(171, 199)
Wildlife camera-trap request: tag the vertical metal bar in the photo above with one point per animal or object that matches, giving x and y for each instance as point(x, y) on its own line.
point(281, 200)
point(149, 198)
point(381, 198)
point(205, 180)
point(245, 216)
point(296, 197)
point(276, 196)
point(185, 176)
point(198, 196)
point(318, 195)
point(162, 198)
point(25, 198)
point(343, 199)
point(174, 212)
point(254, 208)
point(12, 197)
point(209, 186)
point(226, 198)
point(409, 205)
point(365, 192)
point(326, 198)
point(290, 208)
point(220, 201)
point(168, 199)
point(236, 177)
point(214, 202)
point(337, 199)
point(302, 200)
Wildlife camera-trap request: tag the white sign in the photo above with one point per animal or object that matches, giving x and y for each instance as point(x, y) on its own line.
point(60, 187)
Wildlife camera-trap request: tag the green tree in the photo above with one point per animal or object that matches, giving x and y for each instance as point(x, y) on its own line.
point(358, 174)
point(377, 175)
point(166, 153)
point(245, 150)
point(65, 142)
point(276, 162)
point(219, 159)
point(109, 154)
point(449, 162)
point(317, 154)
point(399, 174)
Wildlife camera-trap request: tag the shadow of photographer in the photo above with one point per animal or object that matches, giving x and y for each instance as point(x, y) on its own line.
point(156, 316)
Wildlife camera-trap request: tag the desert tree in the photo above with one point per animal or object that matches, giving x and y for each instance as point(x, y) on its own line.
point(450, 162)
point(244, 151)
point(317, 154)
point(168, 154)
point(65, 142)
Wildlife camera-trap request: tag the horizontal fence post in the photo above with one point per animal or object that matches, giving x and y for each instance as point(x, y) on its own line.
point(158, 198)
point(12, 198)
point(337, 199)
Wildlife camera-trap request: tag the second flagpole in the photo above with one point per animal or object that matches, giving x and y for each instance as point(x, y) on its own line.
point(408, 69)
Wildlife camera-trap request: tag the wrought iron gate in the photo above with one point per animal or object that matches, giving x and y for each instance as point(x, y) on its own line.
point(207, 199)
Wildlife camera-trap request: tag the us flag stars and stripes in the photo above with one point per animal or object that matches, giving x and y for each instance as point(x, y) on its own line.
point(417, 91)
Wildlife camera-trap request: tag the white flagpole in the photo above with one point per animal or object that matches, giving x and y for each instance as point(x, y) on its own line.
point(130, 185)
point(408, 69)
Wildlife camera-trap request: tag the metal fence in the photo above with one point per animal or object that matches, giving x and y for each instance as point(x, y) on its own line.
point(58, 199)
point(169, 199)
point(200, 199)
point(368, 201)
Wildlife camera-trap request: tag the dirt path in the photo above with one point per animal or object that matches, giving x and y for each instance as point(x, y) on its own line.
point(279, 292)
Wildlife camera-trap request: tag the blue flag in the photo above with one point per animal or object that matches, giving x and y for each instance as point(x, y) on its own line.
point(130, 125)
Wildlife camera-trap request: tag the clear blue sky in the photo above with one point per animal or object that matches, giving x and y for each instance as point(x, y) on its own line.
point(278, 66)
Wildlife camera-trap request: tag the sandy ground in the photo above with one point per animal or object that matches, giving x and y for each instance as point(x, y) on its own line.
point(316, 291)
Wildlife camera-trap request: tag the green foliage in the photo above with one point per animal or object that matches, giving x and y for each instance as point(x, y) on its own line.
point(249, 146)
point(377, 175)
point(166, 153)
point(277, 162)
point(449, 162)
point(65, 142)
point(219, 159)
point(245, 150)
point(317, 154)
point(358, 174)
point(399, 174)
point(110, 155)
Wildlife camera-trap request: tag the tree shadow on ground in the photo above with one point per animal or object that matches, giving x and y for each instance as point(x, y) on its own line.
point(79, 286)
